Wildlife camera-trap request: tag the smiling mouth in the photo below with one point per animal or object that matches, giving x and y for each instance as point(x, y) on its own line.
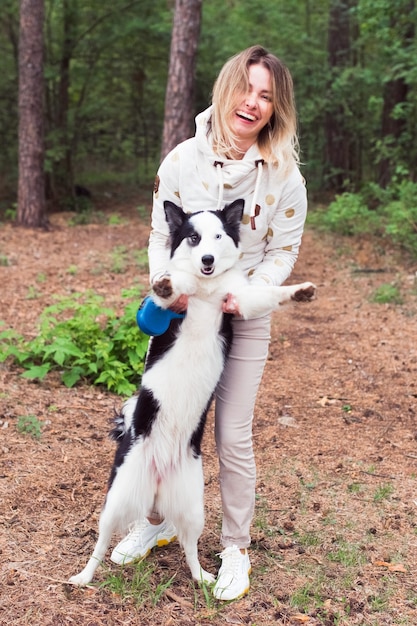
point(207, 271)
point(246, 116)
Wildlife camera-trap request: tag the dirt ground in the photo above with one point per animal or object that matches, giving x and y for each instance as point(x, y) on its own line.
point(335, 529)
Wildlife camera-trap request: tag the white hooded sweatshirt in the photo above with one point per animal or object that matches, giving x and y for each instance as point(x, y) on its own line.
point(195, 178)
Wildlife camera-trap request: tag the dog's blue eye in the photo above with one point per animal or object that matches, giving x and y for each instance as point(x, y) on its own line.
point(218, 236)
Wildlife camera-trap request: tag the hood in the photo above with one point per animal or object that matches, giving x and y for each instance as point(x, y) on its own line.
point(243, 175)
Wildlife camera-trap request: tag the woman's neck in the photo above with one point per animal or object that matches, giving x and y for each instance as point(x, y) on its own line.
point(233, 155)
point(236, 152)
point(239, 152)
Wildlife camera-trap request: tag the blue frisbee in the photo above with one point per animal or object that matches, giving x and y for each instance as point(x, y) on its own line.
point(153, 320)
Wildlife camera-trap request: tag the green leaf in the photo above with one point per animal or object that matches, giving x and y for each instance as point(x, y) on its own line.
point(61, 349)
point(71, 377)
point(37, 371)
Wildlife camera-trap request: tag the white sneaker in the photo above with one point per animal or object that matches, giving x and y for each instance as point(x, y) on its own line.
point(143, 536)
point(233, 579)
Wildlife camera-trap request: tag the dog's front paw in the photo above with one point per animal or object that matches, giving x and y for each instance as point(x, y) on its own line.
point(206, 578)
point(79, 580)
point(163, 287)
point(305, 293)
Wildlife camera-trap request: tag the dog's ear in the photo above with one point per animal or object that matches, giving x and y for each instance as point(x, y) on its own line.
point(175, 216)
point(232, 213)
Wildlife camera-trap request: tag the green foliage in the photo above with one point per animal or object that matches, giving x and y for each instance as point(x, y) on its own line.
point(346, 554)
point(347, 215)
point(137, 582)
point(383, 492)
point(308, 539)
point(115, 220)
point(113, 110)
point(401, 216)
point(394, 218)
point(387, 294)
point(32, 293)
point(9, 212)
point(91, 216)
point(119, 258)
point(83, 340)
point(304, 597)
point(141, 258)
point(110, 119)
point(29, 425)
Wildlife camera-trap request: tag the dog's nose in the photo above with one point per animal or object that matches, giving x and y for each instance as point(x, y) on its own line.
point(207, 260)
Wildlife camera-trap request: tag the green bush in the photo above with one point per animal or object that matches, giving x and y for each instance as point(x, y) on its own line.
point(83, 340)
point(348, 214)
point(393, 215)
point(401, 217)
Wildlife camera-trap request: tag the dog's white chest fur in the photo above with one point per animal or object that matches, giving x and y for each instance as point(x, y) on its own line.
point(183, 381)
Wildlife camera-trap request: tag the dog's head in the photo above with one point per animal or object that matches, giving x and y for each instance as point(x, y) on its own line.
point(206, 242)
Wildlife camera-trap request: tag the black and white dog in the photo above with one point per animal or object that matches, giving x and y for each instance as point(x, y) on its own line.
point(158, 463)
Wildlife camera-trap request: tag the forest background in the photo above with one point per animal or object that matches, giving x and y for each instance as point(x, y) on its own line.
point(104, 87)
point(106, 65)
point(93, 95)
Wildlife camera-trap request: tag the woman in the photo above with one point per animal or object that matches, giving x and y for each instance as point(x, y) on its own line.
point(245, 146)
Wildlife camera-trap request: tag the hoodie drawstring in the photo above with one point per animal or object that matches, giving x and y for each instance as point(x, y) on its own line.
point(255, 208)
point(218, 165)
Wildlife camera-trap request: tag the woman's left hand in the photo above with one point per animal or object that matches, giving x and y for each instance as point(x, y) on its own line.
point(180, 305)
point(230, 305)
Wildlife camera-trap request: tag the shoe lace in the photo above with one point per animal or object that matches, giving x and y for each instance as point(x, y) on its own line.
point(230, 559)
point(136, 528)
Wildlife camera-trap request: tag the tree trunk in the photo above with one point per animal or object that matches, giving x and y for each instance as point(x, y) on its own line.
point(395, 93)
point(179, 98)
point(60, 178)
point(31, 209)
point(339, 142)
point(63, 170)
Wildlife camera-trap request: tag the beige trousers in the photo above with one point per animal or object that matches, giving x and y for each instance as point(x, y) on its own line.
point(234, 409)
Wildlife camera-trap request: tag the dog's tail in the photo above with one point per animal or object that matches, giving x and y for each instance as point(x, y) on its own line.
point(121, 421)
point(119, 427)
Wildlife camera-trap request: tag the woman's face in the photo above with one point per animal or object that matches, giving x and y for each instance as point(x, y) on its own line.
point(253, 109)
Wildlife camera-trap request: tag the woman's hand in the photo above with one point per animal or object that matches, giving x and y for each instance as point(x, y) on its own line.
point(180, 305)
point(230, 305)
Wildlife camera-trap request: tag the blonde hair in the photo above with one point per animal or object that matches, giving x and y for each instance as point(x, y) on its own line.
point(277, 141)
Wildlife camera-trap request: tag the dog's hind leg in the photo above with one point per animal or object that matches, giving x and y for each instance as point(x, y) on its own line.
point(130, 497)
point(191, 529)
point(183, 503)
point(106, 529)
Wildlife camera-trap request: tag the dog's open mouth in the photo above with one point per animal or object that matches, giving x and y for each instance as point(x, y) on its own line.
point(207, 271)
